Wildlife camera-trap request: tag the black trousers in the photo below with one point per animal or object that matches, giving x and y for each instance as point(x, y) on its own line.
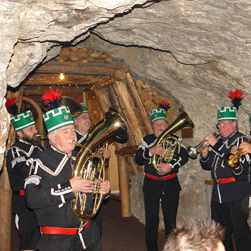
point(233, 217)
point(29, 231)
point(169, 205)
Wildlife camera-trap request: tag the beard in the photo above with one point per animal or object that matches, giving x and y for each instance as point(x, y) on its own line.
point(34, 140)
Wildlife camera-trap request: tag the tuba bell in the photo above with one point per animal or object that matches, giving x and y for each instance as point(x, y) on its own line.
point(183, 120)
point(112, 126)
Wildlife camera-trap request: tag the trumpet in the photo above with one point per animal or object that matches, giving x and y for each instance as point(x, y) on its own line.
point(232, 160)
point(193, 151)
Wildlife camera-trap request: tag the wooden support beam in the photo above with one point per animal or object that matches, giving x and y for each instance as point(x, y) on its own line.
point(53, 67)
point(53, 79)
point(132, 119)
point(139, 103)
point(102, 100)
point(124, 186)
point(5, 190)
point(133, 165)
point(65, 90)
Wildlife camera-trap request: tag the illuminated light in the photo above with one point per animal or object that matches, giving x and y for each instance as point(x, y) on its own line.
point(61, 76)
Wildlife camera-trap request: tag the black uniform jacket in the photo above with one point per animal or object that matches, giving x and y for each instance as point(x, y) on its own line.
point(219, 169)
point(49, 193)
point(143, 158)
point(18, 169)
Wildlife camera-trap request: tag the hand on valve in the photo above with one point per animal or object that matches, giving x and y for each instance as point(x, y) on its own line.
point(157, 149)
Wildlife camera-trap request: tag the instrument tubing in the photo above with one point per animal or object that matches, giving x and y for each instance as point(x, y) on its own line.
point(224, 180)
point(170, 176)
point(22, 193)
point(62, 231)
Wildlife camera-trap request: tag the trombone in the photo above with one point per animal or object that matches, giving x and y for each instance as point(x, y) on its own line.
point(193, 151)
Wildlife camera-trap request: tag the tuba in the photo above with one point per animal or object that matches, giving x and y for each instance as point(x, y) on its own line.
point(112, 126)
point(183, 120)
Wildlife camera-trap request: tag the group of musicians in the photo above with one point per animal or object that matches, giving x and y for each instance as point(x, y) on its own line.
point(43, 178)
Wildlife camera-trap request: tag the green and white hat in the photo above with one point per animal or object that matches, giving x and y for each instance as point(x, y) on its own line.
point(158, 114)
point(85, 110)
point(227, 113)
point(22, 120)
point(57, 118)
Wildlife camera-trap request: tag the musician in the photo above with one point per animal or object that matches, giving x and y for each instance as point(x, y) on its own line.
point(160, 186)
point(27, 146)
point(50, 189)
point(83, 124)
point(229, 202)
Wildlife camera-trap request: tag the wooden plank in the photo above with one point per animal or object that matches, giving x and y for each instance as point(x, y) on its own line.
point(127, 151)
point(102, 100)
point(124, 186)
point(79, 68)
point(129, 111)
point(5, 190)
point(65, 90)
point(53, 79)
point(133, 165)
point(139, 103)
point(209, 182)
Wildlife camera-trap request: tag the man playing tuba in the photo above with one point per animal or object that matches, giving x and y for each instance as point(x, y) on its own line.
point(160, 185)
point(50, 188)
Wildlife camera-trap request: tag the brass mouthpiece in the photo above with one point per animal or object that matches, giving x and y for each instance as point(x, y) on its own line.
point(76, 143)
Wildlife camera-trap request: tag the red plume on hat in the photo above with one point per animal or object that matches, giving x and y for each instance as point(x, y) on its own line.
point(236, 97)
point(164, 105)
point(51, 99)
point(11, 105)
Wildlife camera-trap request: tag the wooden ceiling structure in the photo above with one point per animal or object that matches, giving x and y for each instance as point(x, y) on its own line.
point(112, 85)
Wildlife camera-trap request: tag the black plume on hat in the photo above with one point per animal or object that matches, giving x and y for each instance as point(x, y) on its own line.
point(236, 97)
point(11, 105)
point(51, 99)
point(164, 105)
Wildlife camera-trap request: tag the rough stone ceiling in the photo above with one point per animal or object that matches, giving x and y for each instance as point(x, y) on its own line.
point(197, 50)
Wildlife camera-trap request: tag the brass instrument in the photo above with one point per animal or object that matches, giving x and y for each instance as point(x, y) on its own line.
point(232, 160)
point(193, 151)
point(183, 120)
point(75, 107)
point(112, 126)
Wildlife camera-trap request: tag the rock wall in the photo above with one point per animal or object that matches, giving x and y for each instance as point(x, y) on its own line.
point(195, 51)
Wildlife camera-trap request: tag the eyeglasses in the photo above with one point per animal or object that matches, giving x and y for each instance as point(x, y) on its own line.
point(223, 124)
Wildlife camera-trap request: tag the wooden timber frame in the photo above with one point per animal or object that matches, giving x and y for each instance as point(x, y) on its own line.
point(6, 193)
point(113, 86)
point(124, 97)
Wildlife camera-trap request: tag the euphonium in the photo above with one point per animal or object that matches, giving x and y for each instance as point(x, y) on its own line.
point(232, 160)
point(112, 126)
point(194, 151)
point(183, 120)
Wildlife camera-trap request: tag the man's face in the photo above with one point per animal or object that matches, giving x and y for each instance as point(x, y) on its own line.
point(226, 127)
point(159, 126)
point(63, 139)
point(28, 134)
point(83, 123)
